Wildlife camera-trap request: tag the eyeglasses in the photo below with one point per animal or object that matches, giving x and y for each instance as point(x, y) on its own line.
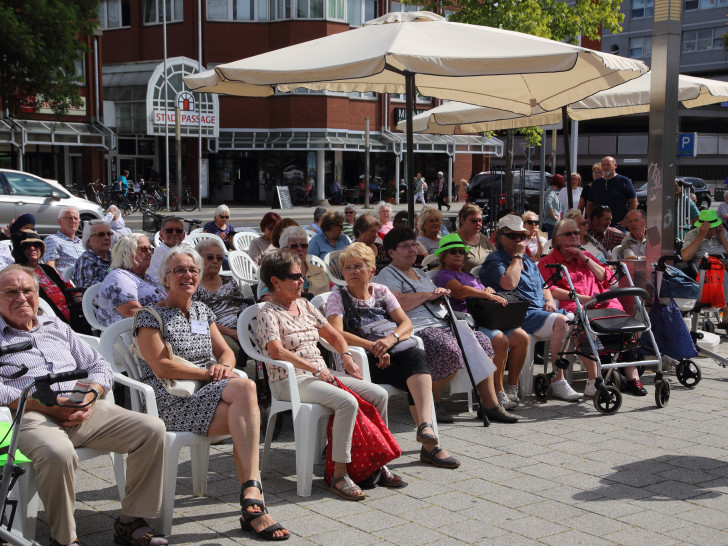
point(211, 257)
point(223, 217)
point(102, 234)
point(296, 246)
point(13, 293)
point(569, 234)
point(170, 230)
point(475, 220)
point(292, 276)
point(144, 249)
point(358, 268)
point(407, 246)
point(350, 212)
point(72, 218)
point(182, 270)
point(532, 222)
point(515, 236)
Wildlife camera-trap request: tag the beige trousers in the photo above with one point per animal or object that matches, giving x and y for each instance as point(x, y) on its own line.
point(314, 391)
point(51, 448)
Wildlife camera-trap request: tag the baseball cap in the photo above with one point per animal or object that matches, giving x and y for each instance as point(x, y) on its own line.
point(512, 222)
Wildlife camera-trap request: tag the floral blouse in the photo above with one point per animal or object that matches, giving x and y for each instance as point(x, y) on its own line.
point(54, 292)
point(122, 286)
point(298, 334)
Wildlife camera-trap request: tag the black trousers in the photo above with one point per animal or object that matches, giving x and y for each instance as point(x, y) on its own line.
point(402, 365)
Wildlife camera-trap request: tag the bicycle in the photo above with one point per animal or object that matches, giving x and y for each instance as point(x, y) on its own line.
point(188, 202)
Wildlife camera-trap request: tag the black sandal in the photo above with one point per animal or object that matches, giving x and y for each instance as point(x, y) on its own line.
point(124, 531)
point(426, 438)
point(248, 517)
point(431, 458)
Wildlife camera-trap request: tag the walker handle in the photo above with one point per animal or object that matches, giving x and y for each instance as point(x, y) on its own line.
point(619, 292)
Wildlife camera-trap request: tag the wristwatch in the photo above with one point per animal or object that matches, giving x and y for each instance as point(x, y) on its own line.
point(519, 256)
point(318, 372)
point(346, 353)
point(396, 335)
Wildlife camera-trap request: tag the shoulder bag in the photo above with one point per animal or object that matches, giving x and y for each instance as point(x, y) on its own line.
point(492, 315)
point(184, 388)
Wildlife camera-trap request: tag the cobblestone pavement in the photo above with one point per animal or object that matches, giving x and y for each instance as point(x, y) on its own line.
point(564, 474)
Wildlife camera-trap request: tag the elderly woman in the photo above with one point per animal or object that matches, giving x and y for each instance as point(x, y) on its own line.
point(54, 289)
point(470, 222)
point(429, 225)
point(331, 236)
point(116, 222)
point(288, 328)
point(219, 226)
point(586, 240)
point(416, 293)
point(534, 241)
point(224, 403)
point(275, 236)
point(384, 212)
point(261, 244)
point(392, 358)
point(510, 347)
point(221, 294)
point(93, 265)
point(366, 230)
point(508, 269)
point(589, 278)
point(127, 287)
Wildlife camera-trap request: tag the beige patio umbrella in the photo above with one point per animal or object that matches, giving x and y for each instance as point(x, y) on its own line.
point(420, 51)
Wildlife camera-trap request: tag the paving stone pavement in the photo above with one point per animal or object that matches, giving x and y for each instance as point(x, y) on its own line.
point(565, 474)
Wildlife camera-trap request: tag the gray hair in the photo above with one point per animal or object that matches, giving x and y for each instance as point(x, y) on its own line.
point(560, 226)
point(318, 213)
point(220, 209)
point(426, 214)
point(123, 256)
point(64, 210)
point(207, 242)
point(87, 230)
point(572, 214)
point(381, 205)
point(25, 269)
point(276, 264)
point(439, 173)
point(291, 232)
point(638, 211)
point(187, 250)
point(169, 219)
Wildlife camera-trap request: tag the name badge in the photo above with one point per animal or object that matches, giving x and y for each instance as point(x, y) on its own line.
point(199, 327)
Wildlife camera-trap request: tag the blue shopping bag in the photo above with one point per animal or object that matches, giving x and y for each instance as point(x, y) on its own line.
point(670, 331)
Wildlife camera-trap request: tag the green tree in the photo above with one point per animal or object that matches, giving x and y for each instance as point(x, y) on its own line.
point(553, 19)
point(41, 41)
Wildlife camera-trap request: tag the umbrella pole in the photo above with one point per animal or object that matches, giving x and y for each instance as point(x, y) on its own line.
point(567, 154)
point(410, 91)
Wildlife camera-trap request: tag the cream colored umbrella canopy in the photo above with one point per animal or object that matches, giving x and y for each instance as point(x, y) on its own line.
point(632, 97)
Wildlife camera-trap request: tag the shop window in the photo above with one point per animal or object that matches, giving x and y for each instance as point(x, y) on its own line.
point(640, 48)
point(114, 14)
point(154, 11)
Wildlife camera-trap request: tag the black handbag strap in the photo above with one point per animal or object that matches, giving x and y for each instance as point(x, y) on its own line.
point(352, 317)
point(414, 290)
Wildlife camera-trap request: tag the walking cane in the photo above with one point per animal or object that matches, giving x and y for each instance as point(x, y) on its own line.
point(452, 319)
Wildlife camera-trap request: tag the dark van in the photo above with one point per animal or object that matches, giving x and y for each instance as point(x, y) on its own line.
point(487, 190)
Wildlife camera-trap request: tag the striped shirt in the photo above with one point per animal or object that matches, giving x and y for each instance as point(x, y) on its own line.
point(56, 348)
point(64, 250)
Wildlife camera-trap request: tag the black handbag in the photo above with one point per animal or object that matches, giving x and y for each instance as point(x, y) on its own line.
point(492, 315)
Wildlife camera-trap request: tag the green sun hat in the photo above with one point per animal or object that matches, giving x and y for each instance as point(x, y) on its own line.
point(448, 242)
point(708, 215)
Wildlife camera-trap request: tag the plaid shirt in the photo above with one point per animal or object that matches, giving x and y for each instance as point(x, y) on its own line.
point(90, 269)
point(609, 239)
point(63, 250)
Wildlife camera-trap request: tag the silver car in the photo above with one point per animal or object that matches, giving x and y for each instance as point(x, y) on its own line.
point(23, 192)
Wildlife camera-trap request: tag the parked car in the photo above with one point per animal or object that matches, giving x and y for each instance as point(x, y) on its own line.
point(698, 187)
point(22, 192)
point(487, 189)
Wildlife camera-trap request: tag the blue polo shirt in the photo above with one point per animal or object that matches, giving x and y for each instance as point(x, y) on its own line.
point(529, 286)
point(320, 246)
point(614, 193)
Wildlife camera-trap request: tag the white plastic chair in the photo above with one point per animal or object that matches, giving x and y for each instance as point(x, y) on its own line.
point(315, 260)
point(475, 272)
point(244, 269)
point(193, 238)
point(197, 230)
point(617, 253)
point(114, 347)
point(310, 233)
point(67, 272)
point(90, 306)
point(157, 240)
point(8, 243)
point(26, 490)
point(332, 263)
point(309, 420)
point(242, 240)
point(360, 357)
point(430, 262)
point(44, 306)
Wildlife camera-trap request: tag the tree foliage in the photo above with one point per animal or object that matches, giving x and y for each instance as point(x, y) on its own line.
point(41, 41)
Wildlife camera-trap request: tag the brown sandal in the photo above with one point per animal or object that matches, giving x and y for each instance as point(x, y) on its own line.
point(346, 489)
point(390, 479)
point(426, 438)
point(124, 531)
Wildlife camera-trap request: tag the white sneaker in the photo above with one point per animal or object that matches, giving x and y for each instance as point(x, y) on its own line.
point(506, 402)
point(563, 391)
point(590, 390)
point(512, 393)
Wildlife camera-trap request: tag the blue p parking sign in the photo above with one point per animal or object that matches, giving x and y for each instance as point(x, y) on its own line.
point(686, 144)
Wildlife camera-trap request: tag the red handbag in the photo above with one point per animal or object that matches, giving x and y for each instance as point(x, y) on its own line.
point(372, 445)
point(713, 285)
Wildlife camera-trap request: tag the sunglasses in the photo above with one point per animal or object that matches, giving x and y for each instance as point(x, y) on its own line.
point(211, 257)
point(475, 220)
point(532, 222)
point(223, 217)
point(144, 249)
point(515, 236)
point(292, 276)
point(170, 230)
point(102, 234)
point(569, 234)
point(34, 245)
point(457, 251)
point(296, 246)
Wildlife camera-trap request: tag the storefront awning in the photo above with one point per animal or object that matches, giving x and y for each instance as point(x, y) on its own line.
point(448, 144)
point(22, 133)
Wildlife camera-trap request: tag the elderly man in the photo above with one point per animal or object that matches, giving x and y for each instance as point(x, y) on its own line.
point(600, 231)
point(172, 234)
point(634, 244)
point(93, 265)
point(349, 219)
point(315, 226)
point(49, 434)
point(612, 190)
point(64, 248)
